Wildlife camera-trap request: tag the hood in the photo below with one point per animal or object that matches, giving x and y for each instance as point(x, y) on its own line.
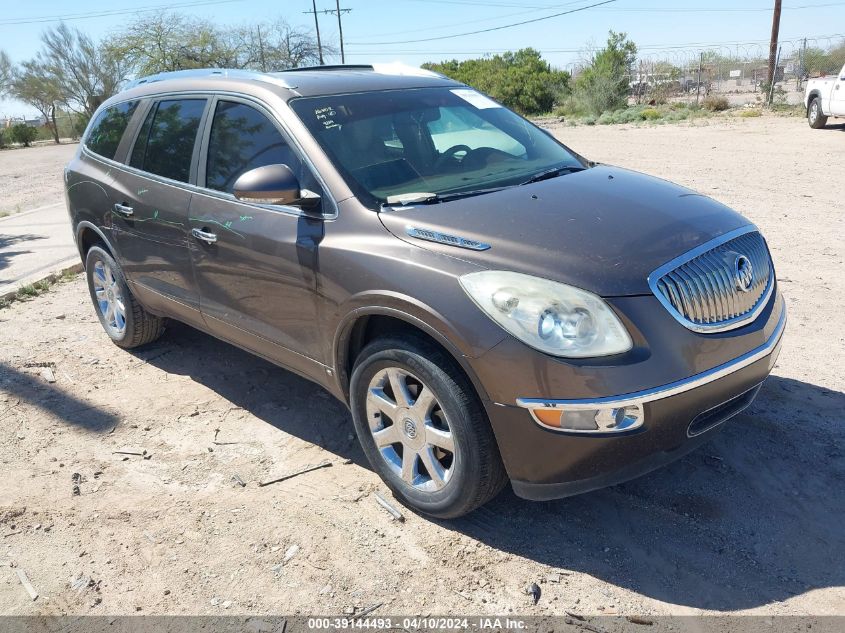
point(603, 229)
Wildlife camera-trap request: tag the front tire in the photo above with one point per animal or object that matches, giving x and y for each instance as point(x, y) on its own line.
point(122, 317)
point(423, 428)
point(815, 117)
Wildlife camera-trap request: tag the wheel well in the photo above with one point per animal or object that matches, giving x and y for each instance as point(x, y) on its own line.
point(369, 328)
point(88, 238)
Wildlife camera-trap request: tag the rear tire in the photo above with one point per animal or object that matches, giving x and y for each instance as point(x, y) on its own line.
point(122, 317)
point(815, 117)
point(436, 450)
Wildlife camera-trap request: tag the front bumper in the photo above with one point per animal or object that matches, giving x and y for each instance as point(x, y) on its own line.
point(546, 463)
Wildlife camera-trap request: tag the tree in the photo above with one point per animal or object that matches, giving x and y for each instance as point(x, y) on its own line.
point(166, 42)
point(35, 85)
point(6, 72)
point(521, 80)
point(23, 134)
point(282, 46)
point(86, 73)
point(605, 83)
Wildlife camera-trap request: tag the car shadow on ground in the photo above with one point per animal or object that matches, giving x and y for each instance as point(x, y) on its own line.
point(749, 519)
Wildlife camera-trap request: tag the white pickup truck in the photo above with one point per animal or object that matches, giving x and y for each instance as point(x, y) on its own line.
point(825, 97)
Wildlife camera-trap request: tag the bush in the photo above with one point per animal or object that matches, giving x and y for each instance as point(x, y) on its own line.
point(716, 103)
point(604, 84)
point(522, 81)
point(2, 138)
point(751, 112)
point(650, 114)
point(23, 134)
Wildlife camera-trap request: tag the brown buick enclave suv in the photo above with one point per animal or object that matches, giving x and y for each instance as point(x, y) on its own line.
point(491, 305)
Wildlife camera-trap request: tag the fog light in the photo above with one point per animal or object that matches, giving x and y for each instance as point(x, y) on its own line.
point(603, 420)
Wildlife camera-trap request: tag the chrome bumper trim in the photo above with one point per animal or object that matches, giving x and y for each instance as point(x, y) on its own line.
point(665, 391)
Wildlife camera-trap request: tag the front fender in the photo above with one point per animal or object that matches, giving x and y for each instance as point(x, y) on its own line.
point(417, 314)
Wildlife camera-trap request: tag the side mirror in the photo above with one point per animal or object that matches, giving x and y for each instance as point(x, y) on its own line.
point(273, 184)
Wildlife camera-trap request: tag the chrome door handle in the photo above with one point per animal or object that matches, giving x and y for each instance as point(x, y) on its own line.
point(123, 210)
point(204, 236)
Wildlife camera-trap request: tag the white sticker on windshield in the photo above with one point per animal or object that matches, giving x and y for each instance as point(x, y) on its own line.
point(475, 98)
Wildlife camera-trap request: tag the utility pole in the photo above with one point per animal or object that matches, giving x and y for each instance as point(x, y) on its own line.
point(261, 51)
point(317, 27)
point(340, 31)
point(773, 43)
point(698, 83)
point(338, 12)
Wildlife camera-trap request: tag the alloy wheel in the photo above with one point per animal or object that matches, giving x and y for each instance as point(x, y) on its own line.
point(109, 298)
point(410, 429)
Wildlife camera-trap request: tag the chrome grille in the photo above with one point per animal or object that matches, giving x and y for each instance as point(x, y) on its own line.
point(712, 288)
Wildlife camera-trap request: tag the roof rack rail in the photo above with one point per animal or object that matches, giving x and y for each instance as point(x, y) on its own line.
point(391, 68)
point(329, 67)
point(198, 73)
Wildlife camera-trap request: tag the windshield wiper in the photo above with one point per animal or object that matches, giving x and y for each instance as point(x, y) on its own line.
point(553, 173)
point(408, 199)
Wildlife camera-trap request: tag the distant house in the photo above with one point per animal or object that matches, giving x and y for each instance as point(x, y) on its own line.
point(31, 122)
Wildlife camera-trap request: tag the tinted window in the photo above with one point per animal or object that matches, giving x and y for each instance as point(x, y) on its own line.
point(166, 140)
point(242, 139)
point(109, 127)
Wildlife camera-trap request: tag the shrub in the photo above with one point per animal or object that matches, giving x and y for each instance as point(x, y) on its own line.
point(650, 114)
point(716, 103)
point(23, 134)
point(2, 138)
point(751, 112)
point(604, 84)
point(522, 81)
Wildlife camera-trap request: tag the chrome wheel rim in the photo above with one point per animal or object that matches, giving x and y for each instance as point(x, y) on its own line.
point(109, 298)
point(814, 111)
point(410, 429)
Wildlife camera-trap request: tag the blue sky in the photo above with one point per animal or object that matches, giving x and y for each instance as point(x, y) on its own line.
point(384, 30)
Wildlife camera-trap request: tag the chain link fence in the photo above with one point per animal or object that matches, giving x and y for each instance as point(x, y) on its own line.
point(738, 72)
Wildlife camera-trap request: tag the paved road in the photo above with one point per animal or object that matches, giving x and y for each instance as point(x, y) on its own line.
point(34, 244)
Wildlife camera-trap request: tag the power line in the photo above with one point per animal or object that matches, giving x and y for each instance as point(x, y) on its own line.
point(644, 47)
point(714, 10)
point(495, 28)
point(552, 7)
point(477, 21)
point(110, 12)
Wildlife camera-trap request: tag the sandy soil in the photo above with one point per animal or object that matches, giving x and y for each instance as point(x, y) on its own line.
point(750, 523)
point(32, 177)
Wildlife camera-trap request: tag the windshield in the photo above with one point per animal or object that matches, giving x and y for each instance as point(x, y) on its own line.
point(393, 143)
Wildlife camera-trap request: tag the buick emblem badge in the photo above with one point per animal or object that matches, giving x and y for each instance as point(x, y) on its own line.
point(743, 273)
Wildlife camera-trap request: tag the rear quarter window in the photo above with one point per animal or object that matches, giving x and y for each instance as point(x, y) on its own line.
point(108, 128)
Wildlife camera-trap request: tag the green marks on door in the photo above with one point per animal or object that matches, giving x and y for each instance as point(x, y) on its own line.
point(225, 225)
point(155, 218)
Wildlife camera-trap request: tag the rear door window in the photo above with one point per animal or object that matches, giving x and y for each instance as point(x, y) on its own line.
point(165, 143)
point(109, 127)
point(241, 139)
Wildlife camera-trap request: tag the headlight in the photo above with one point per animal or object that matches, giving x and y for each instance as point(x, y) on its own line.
point(552, 317)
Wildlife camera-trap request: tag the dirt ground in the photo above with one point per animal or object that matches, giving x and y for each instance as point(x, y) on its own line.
point(750, 523)
point(32, 177)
